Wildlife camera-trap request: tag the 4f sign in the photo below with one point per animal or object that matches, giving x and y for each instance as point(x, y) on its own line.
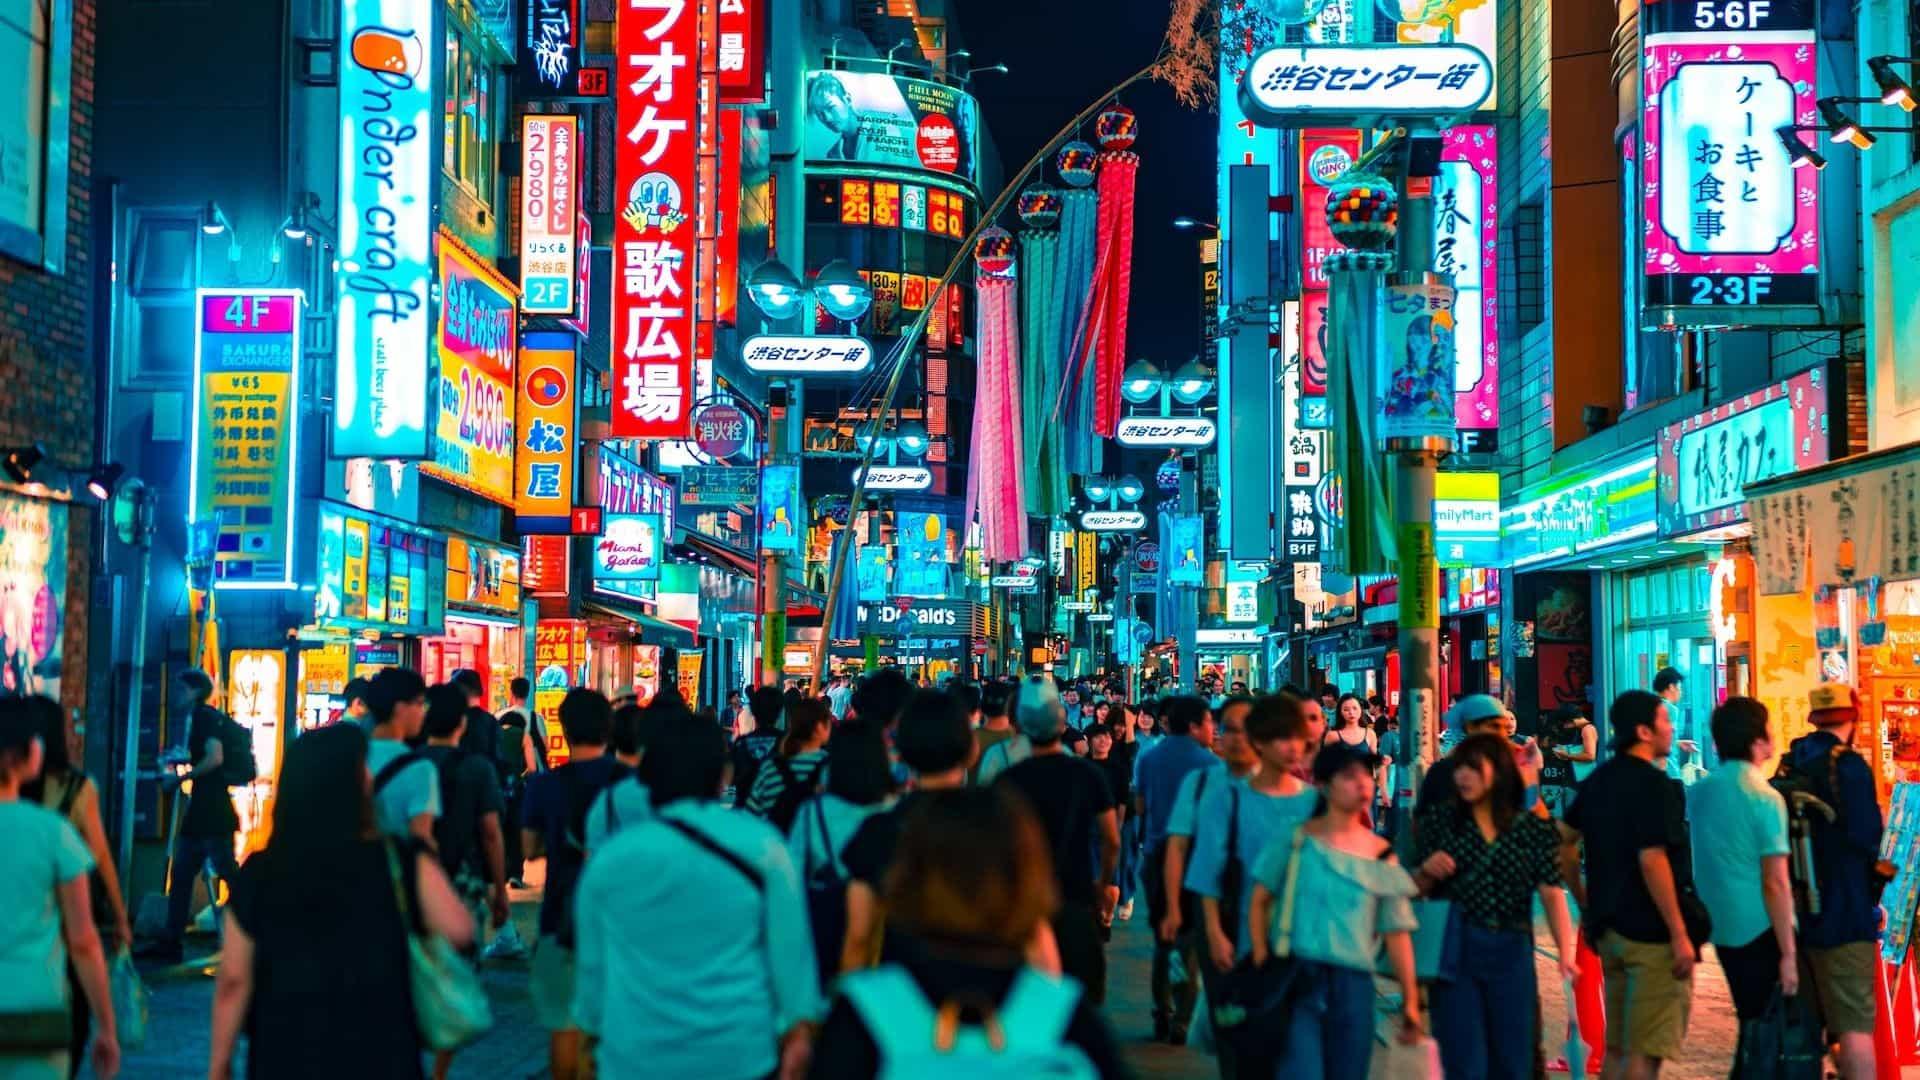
point(810, 356)
point(894, 478)
point(1113, 521)
point(1157, 431)
point(1296, 86)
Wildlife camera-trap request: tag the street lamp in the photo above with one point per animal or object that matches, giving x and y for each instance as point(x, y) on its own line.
point(1097, 489)
point(775, 289)
point(1894, 90)
point(1130, 489)
point(1141, 382)
point(911, 438)
point(840, 289)
point(1192, 383)
point(1184, 222)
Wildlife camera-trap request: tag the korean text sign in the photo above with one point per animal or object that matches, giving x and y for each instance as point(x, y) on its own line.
point(549, 159)
point(388, 170)
point(1730, 222)
point(654, 167)
point(479, 331)
point(544, 459)
point(245, 439)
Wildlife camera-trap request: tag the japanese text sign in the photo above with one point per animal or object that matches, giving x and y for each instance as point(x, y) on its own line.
point(1300, 85)
point(388, 174)
point(479, 331)
point(654, 166)
point(1706, 460)
point(743, 52)
point(1416, 361)
point(245, 441)
point(1465, 232)
point(1730, 222)
point(1584, 514)
point(626, 488)
point(373, 572)
point(549, 183)
point(550, 40)
point(1160, 431)
point(544, 458)
point(809, 356)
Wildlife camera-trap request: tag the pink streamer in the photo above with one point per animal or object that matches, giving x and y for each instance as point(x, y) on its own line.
point(996, 483)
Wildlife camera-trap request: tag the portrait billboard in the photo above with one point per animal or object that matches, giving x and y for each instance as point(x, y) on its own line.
point(875, 118)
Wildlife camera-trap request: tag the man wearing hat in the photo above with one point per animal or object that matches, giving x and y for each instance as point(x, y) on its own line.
point(1075, 806)
point(1476, 714)
point(1839, 939)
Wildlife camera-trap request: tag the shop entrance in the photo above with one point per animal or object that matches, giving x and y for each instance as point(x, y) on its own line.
point(1664, 623)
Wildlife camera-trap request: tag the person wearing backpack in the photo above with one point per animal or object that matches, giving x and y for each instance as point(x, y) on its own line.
point(208, 826)
point(793, 775)
point(556, 811)
point(972, 885)
point(858, 787)
point(406, 789)
point(717, 979)
point(1840, 939)
point(752, 749)
point(468, 834)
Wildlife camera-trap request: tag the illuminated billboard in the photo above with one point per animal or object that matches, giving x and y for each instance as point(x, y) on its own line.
point(388, 175)
point(1707, 460)
point(544, 435)
point(1731, 226)
point(874, 118)
point(1465, 231)
point(479, 329)
point(246, 360)
point(549, 183)
point(653, 237)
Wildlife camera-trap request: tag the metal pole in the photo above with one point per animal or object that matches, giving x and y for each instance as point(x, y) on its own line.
point(130, 752)
point(1413, 484)
point(773, 565)
point(1186, 598)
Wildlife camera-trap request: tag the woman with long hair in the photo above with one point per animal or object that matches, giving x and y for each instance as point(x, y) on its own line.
point(1482, 851)
point(46, 919)
point(859, 785)
point(314, 958)
point(1349, 897)
point(67, 791)
point(1350, 725)
point(970, 886)
point(796, 764)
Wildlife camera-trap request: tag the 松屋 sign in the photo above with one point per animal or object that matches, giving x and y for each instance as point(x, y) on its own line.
point(246, 360)
point(809, 356)
point(479, 332)
point(388, 173)
point(1732, 227)
point(1292, 86)
point(1707, 460)
point(1099, 521)
point(549, 156)
point(654, 165)
point(546, 447)
point(1162, 431)
point(894, 478)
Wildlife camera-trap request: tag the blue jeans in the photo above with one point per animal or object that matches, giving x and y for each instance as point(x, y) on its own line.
point(190, 856)
point(1129, 858)
point(1330, 1034)
point(1484, 1018)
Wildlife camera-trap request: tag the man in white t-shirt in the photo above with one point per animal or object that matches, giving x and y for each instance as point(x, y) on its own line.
point(406, 788)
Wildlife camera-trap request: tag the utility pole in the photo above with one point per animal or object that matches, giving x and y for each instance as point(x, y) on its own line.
point(142, 499)
point(773, 565)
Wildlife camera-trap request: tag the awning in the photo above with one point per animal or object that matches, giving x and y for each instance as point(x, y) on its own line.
point(722, 554)
point(653, 629)
point(1841, 523)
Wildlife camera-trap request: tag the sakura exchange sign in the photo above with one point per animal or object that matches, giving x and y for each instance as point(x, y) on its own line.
point(654, 166)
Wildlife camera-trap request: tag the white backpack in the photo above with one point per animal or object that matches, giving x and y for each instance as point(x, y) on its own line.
point(1025, 1039)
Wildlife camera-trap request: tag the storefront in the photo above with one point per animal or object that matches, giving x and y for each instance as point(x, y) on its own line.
point(380, 588)
point(483, 626)
point(926, 637)
point(1470, 629)
point(629, 644)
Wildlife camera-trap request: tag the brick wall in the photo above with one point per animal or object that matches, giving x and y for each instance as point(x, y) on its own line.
point(46, 356)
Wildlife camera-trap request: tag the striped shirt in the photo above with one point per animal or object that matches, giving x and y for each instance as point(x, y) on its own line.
point(770, 782)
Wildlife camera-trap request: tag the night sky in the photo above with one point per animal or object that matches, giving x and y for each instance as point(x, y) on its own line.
point(1060, 54)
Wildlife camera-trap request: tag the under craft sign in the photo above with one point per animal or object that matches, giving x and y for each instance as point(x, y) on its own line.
point(811, 356)
point(1154, 431)
point(1351, 85)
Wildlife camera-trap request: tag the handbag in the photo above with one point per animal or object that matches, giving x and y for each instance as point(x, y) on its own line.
point(1436, 942)
point(129, 996)
point(35, 1031)
point(1784, 1043)
point(1253, 1005)
point(450, 1006)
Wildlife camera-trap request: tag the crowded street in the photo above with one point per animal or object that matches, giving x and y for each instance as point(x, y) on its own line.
point(916, 539)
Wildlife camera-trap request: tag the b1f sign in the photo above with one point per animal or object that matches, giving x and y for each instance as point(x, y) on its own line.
point(812, 357)
point(1162, 431)
point(657, 108)
point(1293, 86)
point(549, 154)
point(387, 177)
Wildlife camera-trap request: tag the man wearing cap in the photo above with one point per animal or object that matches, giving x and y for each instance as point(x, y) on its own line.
point(1477, 714)
point(1075, 806)
point(1839, 939)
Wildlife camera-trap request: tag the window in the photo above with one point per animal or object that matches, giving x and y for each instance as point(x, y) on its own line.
point(36, 47)
point(470, 142)
point(1529, 266)
point(162, 261)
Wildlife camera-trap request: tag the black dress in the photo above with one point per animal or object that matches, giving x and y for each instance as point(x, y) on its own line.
point(331, 994)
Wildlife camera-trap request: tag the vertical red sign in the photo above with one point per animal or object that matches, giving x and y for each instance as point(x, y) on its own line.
point(726, 261)
point(1324, 155)
point(743, 51)
point(653, 242)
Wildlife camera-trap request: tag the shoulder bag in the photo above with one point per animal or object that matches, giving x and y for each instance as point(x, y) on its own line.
point(1254, 1004)
point(450, 1005)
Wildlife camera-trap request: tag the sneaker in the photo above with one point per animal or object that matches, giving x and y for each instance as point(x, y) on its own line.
point(516, 883)
point(506, 945)
point(1125, 912)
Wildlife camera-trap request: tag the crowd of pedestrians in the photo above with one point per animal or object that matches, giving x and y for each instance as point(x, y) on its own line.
point(895, 878)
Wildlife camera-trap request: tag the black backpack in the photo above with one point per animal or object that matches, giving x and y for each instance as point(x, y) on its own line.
point(457, 841)
point(826, 889)
point(1800, 783)
point(580, 797)
point(237, 765)
point(795, 793)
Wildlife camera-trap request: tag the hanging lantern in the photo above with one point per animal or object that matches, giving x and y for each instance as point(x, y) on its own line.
point(1116, 127)
point(1074, 163)
point(1363, 211)
point(994, 251)
point(1039, 206)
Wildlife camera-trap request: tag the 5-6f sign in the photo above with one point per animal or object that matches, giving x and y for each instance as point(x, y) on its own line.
point(654, 165)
